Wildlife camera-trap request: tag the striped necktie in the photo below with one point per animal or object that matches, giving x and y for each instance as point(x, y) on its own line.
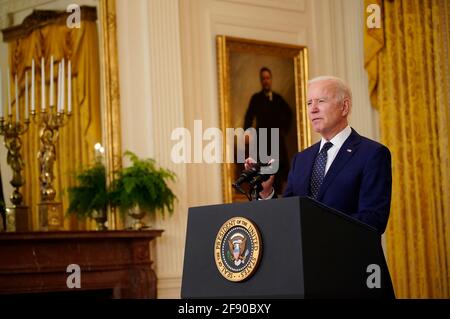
point(318, 172)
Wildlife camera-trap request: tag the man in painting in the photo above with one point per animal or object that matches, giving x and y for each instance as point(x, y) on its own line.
point(268, 109)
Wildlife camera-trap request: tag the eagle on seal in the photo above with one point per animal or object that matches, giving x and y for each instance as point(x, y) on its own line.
point(237, 245)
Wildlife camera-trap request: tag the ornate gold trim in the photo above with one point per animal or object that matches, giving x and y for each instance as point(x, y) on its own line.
point(110, 80)
point(299, 54)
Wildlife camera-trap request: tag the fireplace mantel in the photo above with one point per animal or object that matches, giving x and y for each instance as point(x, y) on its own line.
point(115, 262)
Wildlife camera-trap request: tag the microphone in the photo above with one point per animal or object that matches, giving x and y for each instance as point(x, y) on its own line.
point(260, 178)
point(248, 174)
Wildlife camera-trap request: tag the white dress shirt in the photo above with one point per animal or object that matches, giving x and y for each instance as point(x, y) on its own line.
point(337, 142)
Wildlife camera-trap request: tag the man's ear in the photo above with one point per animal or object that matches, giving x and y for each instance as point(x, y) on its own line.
point(345, 106)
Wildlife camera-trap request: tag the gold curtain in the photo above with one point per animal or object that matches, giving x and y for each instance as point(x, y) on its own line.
point(407, 62)
point(75, 146)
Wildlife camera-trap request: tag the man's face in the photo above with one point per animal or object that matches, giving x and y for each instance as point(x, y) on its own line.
point(325, 111)
point(266, 81)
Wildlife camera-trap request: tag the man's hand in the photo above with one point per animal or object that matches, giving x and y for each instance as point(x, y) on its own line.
point(267, 185)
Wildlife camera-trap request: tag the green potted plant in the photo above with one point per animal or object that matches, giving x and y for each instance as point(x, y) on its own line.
point(142, 189)
point(89, 198)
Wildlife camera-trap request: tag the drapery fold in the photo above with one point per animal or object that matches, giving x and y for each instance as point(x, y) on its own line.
point(407, 61)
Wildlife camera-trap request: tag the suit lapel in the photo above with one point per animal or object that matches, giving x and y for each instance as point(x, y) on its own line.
point(346, 152)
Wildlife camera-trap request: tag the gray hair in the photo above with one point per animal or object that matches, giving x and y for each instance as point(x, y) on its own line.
point(342, 88)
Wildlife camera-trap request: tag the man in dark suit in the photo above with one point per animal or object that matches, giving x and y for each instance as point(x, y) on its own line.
point(268, 109)
point(344, 170)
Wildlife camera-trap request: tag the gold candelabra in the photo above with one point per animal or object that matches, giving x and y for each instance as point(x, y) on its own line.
point(50, 211)
point(50, 123)
point(50, 119)
point(12, 130)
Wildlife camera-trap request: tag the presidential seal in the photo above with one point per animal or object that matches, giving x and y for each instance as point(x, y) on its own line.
point(237, 249)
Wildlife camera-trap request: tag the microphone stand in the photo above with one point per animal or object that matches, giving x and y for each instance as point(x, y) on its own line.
point(255, 189)
point(239, 188)
point(256, 185)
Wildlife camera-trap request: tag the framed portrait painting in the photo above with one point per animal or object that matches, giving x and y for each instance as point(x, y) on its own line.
point(262, 85)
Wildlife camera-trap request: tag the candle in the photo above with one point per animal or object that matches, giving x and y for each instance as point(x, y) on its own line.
point(1, 99)
point(26, 96)
point(62, 86)
point(51, 82)
point(59, 88)
point(16, 91)
point(33, 106)
point(42, 84)
point(8, 80)
point(69, 87)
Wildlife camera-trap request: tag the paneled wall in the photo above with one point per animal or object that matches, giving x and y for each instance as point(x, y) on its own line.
point(168, 79)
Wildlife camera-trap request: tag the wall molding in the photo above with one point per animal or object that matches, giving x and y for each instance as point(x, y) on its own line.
point(291, 5)
point(169, 287)
point(293, 31)
point(167, 110)
point(152, 106)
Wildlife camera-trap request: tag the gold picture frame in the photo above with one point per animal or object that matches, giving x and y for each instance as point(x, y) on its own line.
point(110, 78)
point(228, 50)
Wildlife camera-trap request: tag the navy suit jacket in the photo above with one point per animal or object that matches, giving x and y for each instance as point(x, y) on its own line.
point(358, 182)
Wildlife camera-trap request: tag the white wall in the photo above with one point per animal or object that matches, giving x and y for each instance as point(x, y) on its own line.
point(152, 106)
point(168, 79)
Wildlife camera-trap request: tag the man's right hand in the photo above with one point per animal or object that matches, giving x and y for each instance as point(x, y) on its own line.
point(267, 185)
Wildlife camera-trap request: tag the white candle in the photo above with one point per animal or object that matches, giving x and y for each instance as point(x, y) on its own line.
point(69, 87)
point(62, 85)
point(42, 84)
point(33, 106)
point(16, 91)
point(59, 88)
point(51, 83)
point(8, 84)
point(26, 96)
point(1, 98)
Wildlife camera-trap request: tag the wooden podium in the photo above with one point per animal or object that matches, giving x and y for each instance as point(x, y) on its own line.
point(114, 264)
